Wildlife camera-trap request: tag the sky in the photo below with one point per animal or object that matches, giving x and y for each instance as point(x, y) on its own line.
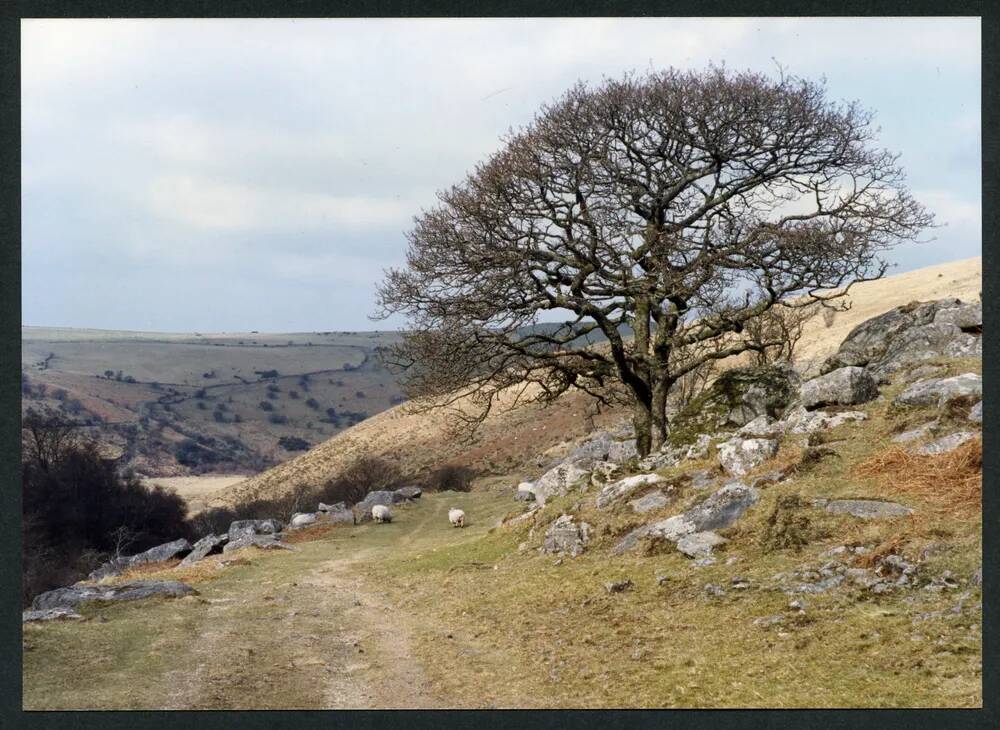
point(237, 175)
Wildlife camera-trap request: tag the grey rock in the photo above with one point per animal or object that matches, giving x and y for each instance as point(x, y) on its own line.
point(408, 493)
point(202, 548)
point(133, 590)
point(264, 542)
point(699, 449)
point(867, 509)
point(337, 507)
point(738, 456)
point(714, 590)
point(566, 537)
point(363, 509)
point(666, 457)
point(844, 386)
point(49, 614)
point(702, 479)
point(917, 433)
point(153, 555)
point(621, 452)
point(799, 421)
point(976, 413)
point(938, 391)
point(242, 528)
point(719, 510)
point(909, 334)
point(769, 620)
point(303, 519)
point(523, 492)
point(704, 562)
point(595, 449)
point(947, 443)
point(922, 372)
point(699, 544)
point(621, 489)
point(965, 316)
point(648, 503)
point(762, 427)
point(337, 517)
point(619, 586)
point(558, 481)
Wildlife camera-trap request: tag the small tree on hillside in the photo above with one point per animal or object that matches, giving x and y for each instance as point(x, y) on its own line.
point(665, 212)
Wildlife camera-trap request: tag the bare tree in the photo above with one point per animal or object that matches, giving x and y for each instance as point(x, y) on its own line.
point(663, 212)
point(782, 324)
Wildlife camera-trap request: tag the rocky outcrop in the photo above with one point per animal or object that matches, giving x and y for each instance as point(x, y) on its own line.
point(845, 386)
point(244, 528)
point(623, 488)
point(156, 554)
point(204, 547)
point(408, 493)
point(909, 334)
point(939, 391)
point(650, 502)
point(738, 456)
point(558, 481)
point(75, 595)
point(49, 614)
point(264, 542)
point(946, 444)
point(336, 517)
point(302, 519)
point(867, 509)
point(720, 510)
point(338, 507)
point(565, 537)
point(800, 421)
point(735, 398)
point(363, 509)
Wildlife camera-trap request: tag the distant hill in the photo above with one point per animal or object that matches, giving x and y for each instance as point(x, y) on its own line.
point(178, 404)
point(514, 442)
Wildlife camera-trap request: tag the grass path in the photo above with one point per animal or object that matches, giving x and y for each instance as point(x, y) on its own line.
point(308, 629)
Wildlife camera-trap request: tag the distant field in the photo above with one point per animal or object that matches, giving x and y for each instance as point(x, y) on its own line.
point(187, 403)
point(196, 491)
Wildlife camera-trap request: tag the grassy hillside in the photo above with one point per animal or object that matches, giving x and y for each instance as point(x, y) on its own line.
point(516, 442)
point(176, 404)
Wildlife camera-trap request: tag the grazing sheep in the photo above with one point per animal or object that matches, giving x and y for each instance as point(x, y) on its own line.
point(456, 517)
point(381, 513)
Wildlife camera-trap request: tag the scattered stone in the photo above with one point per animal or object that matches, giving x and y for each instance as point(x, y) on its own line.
point(337, 507)
point(702, 478)
point(704, 562)
point(917, 433)
point(699, 449)
point(523, 492)
point(337, 517)
point(558, 481)
point(565, 537)
point(739, 583)
point(74, 595)
point(648, 503)
point(938, 391)
point(302, 519)
point(797, 604)
point(762, 427)
point(49, 614)
point(714, 590)
point(844, 386)
point(243, 528)
point(157, 554)
point(202, 548)
point(699, 544)
point(738, 456)
point(264, 542)
point(867, 509)
point(618, 490)
point(408, 493)
point(945, 581)
point(976, 413)
point(592, 451)
point(946, 444)
point(800, 421)
point(719, 510)
point(662, 580)
point(769, 620)
point(619, 586)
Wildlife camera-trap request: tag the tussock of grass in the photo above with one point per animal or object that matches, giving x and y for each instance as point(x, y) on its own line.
point(951, 482)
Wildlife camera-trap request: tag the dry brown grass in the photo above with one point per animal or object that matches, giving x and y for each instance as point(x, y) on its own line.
point(310, 533)
point(951, 483)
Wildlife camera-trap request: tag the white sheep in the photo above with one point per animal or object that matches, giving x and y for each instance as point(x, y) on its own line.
point(381, 513)
point(456, 517)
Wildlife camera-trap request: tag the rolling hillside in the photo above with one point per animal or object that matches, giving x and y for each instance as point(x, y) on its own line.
point(519, 440)
point(180, 404)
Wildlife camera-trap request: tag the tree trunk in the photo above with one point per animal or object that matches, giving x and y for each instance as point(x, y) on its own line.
point(642, 420)
point(658, 417)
